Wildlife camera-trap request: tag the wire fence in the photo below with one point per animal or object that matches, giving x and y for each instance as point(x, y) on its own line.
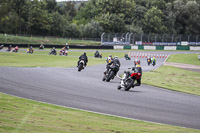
point(148, 39)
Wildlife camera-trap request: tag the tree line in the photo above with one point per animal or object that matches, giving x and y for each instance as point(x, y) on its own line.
point(90, 19)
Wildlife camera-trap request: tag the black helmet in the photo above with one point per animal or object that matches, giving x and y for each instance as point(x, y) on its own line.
point(84, 53)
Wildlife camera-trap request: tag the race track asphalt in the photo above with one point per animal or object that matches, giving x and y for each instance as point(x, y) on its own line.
point(85, 90)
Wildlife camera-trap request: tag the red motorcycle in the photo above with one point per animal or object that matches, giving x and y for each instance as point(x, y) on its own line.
point(129, 77)
point(63, 52)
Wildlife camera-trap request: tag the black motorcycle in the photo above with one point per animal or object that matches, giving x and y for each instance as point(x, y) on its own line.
point(110, 73)
point(1, 47)
point(153, 62)
point(81, 65)
point(52, 53)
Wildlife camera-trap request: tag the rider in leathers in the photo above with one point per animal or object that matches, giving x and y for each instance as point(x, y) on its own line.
point(84, 58)
point(115, 63)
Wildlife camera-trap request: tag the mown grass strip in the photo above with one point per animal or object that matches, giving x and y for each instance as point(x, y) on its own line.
point(36, 60)
point(173, 78)
point(25, 116)
point(184, 58)
point(15, 39)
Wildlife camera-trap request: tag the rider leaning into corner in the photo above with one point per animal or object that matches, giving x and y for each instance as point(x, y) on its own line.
point(116, 63)
point(137, 69)
point(84, 58)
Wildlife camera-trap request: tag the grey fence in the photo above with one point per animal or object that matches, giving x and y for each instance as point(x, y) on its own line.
point(148, 39)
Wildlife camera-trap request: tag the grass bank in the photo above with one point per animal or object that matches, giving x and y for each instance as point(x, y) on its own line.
point(24, 116)
point(176, 79)
point(173, 78)
point(185, 58)
point(36, 60)
point(78, 53)
point(15, 39)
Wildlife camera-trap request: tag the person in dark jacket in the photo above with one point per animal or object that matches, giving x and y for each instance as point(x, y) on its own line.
point(84, 58)
point(116, 63)
point(96, 54)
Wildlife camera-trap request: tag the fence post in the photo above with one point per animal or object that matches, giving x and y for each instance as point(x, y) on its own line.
point(141, 37)
point(189, 38)
point(149, 36)
point(180, 37)
point(109, 37)
point(163, 37)
point(102, 38)
point(130, 37)
point(126, 36)
point(172, 38)
point(197, 39)
point(156, 38)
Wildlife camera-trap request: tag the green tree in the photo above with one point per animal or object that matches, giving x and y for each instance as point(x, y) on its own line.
point(153, 22)
point(92, 30)
point(112, 23)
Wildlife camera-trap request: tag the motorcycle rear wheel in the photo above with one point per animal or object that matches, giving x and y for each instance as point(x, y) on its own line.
point(129, 83)
point(110, 76)
point(80, 66)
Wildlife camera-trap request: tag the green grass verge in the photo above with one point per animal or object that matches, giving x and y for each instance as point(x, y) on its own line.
point(36, 60)
point(173, 78)
point(14, 39)
point(184, 58)
point(25, 116)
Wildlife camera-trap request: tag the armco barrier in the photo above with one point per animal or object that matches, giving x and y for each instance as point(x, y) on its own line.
point(134, 47)
point(127, 47)
point(182, 48)
point(149, 47)
point(169, 47)
point(118, 47)
point(159, 47)
point(59, 46)
point(141, 47)
point(194, 48)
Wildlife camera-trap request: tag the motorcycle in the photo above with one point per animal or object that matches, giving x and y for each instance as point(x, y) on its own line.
point(15, 50)
point(63, 52)
point(153, 62)
point(29, 51)
point(98, 56)
point(127, 57)
point(41, 47)
point(1, 47)
point(52, 53)
point(109, 74)
point(81, 65)
point(128, 79)
point(9, 50)
point(148, 61)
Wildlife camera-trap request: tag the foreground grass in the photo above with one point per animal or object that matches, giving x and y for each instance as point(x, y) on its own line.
point(14, 39)
point(24, 116)
point(36, 60)
point(173, 78)
point(185, 58)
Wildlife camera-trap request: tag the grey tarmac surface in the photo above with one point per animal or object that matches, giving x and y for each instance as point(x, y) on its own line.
point(86, 90)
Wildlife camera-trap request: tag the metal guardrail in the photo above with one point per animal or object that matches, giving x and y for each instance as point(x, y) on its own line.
point(148, 39)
